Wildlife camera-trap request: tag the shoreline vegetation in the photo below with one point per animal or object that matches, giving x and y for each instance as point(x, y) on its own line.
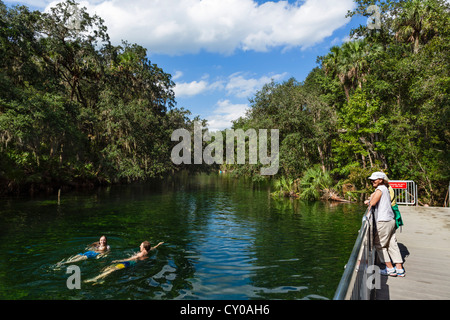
point(378, 102)
point(314, 185)
point(79, 112)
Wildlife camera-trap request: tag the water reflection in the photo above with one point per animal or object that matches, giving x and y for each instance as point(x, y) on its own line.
point(224, 239)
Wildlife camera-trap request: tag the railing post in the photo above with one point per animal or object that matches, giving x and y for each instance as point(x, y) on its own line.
point(417, 196)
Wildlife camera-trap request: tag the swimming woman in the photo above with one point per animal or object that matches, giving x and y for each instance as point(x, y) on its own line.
point(95, 250)
point(144, 248)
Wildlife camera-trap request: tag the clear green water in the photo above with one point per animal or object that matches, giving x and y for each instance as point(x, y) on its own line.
point(224, 239)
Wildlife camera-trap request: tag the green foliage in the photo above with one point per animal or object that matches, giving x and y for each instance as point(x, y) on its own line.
point(75, 109)
point(285, 187)
point(304, 120)
point(377, 102)
point(314, 182)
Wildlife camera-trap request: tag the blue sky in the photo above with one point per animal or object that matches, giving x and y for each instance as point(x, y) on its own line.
point(221, 52)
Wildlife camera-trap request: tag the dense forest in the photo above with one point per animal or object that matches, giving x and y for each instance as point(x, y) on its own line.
point(377, 102)
point(76, 110)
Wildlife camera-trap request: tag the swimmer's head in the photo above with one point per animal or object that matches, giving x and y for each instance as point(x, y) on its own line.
point(146, 245)
point(103, 241)
point(101, 245)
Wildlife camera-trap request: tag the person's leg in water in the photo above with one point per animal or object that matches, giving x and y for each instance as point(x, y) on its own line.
point(76, 258)
point(108, 270)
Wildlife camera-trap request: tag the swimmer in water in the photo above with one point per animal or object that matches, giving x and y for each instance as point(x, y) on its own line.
point(145, 249)
point(95, 250)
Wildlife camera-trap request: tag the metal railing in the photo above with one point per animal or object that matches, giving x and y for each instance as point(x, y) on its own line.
point(405, 191)
point(447, 197)
point(353, 284)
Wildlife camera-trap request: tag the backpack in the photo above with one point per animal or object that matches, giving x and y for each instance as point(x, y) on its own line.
point(397, 217)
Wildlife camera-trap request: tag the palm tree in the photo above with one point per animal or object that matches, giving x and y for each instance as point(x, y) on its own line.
point(331, 61)
point(332, 65)
point(286, 187)
point(415, 22)
point(349, 63)
point(314, 183)
point(355, 62)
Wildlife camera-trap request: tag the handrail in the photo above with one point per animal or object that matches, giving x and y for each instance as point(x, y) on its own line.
point(352, 284)
point(447, 197)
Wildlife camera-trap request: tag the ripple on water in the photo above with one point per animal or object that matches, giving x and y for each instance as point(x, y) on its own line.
point(223, 240)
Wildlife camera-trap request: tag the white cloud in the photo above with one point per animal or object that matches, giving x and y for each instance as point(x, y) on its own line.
point(237, 85)
point(188, 26)
point(177, 75)
point(188, 89)
point(241, 87)
point(224, 113)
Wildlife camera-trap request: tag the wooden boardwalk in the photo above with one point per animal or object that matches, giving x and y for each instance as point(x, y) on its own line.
point(425, 245)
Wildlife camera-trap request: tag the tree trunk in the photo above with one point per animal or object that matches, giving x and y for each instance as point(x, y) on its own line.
point(416, 44)
point(322, 160)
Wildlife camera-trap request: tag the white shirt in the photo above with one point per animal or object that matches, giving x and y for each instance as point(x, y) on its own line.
point(383, 209)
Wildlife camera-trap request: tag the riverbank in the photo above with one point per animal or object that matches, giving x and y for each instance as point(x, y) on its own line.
point(14, 188)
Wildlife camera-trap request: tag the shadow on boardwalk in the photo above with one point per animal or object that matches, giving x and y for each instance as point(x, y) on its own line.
point(383, 292)
point(424, 242)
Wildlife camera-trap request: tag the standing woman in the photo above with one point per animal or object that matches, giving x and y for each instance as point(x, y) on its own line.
point(385, 241)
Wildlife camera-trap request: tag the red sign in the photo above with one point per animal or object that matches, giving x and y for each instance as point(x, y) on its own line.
point(398, 185)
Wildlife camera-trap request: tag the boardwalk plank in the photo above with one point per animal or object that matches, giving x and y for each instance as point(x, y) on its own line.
point(425, 245)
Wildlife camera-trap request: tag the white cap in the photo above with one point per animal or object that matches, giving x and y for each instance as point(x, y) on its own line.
point(378, 175)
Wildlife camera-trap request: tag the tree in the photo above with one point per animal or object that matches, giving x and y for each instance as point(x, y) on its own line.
point(303, 117)
point(350, 63)
point(75, 109)
point(410, 85)
point(70, 43)
point(415, 22)
point(387, 93)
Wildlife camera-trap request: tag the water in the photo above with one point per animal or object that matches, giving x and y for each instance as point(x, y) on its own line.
point(224, 239)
